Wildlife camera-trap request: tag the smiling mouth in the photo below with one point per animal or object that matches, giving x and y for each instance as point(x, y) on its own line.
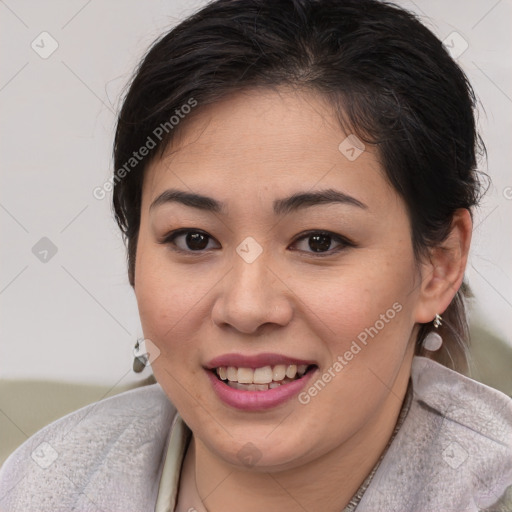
point(261, 379)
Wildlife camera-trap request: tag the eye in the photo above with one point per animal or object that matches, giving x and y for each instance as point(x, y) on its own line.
point(192, 240)
point(320, 242)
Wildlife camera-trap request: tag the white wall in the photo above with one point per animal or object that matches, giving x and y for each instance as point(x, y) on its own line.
point(74, 317)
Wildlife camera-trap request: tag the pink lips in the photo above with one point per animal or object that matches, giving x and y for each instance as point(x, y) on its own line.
point(256, 400)
point(257, 361)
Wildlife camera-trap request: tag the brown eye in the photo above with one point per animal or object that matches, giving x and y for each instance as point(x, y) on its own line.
point(196, 241)
point(320, 242)
point(189, 240)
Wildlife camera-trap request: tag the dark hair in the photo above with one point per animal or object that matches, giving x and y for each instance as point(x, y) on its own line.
point(388, 78)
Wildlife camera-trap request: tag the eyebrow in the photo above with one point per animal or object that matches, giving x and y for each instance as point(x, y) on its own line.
point(297, 201)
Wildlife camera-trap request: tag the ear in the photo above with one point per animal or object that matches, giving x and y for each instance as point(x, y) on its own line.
point(442, 271)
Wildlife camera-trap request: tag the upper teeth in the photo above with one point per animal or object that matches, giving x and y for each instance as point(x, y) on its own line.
point(263, 375)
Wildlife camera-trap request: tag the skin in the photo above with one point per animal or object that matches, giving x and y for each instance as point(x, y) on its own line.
point(246, 151)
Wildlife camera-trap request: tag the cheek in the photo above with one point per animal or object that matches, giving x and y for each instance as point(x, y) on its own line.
point(172, 300)
point(161, 294)
point(167, 302)
point(354, 297)
point(367, 305)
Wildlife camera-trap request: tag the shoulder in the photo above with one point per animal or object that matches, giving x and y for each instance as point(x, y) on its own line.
point(454, 450)
point(471, 406)
point(107, 452)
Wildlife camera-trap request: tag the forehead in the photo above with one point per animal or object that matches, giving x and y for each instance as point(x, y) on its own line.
point(264, 143)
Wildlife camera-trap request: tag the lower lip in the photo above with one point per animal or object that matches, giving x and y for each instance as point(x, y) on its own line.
point(258, 400)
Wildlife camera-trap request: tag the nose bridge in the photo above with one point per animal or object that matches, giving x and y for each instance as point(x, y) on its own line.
point(251, 278)
point(251, 260)
point(252, 294)
point(250, 282)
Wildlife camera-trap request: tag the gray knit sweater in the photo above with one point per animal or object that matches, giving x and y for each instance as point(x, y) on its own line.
point(452, 453)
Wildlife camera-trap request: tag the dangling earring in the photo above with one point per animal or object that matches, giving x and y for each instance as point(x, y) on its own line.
point(433, 340)
point(139, 361)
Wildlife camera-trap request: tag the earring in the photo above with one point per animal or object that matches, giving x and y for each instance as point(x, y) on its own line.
point(139, 361)
point(433, 340)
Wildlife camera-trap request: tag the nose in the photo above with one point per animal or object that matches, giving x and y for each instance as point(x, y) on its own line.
point(253, 298)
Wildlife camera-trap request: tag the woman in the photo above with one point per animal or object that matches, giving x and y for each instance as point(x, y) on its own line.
point(295, 182)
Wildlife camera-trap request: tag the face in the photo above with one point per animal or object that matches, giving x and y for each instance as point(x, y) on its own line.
point(326, 282)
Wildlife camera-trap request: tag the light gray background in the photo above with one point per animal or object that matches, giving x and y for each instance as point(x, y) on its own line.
point(74, 317)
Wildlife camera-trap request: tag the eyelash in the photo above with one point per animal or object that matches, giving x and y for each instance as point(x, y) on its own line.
point(345, 243)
